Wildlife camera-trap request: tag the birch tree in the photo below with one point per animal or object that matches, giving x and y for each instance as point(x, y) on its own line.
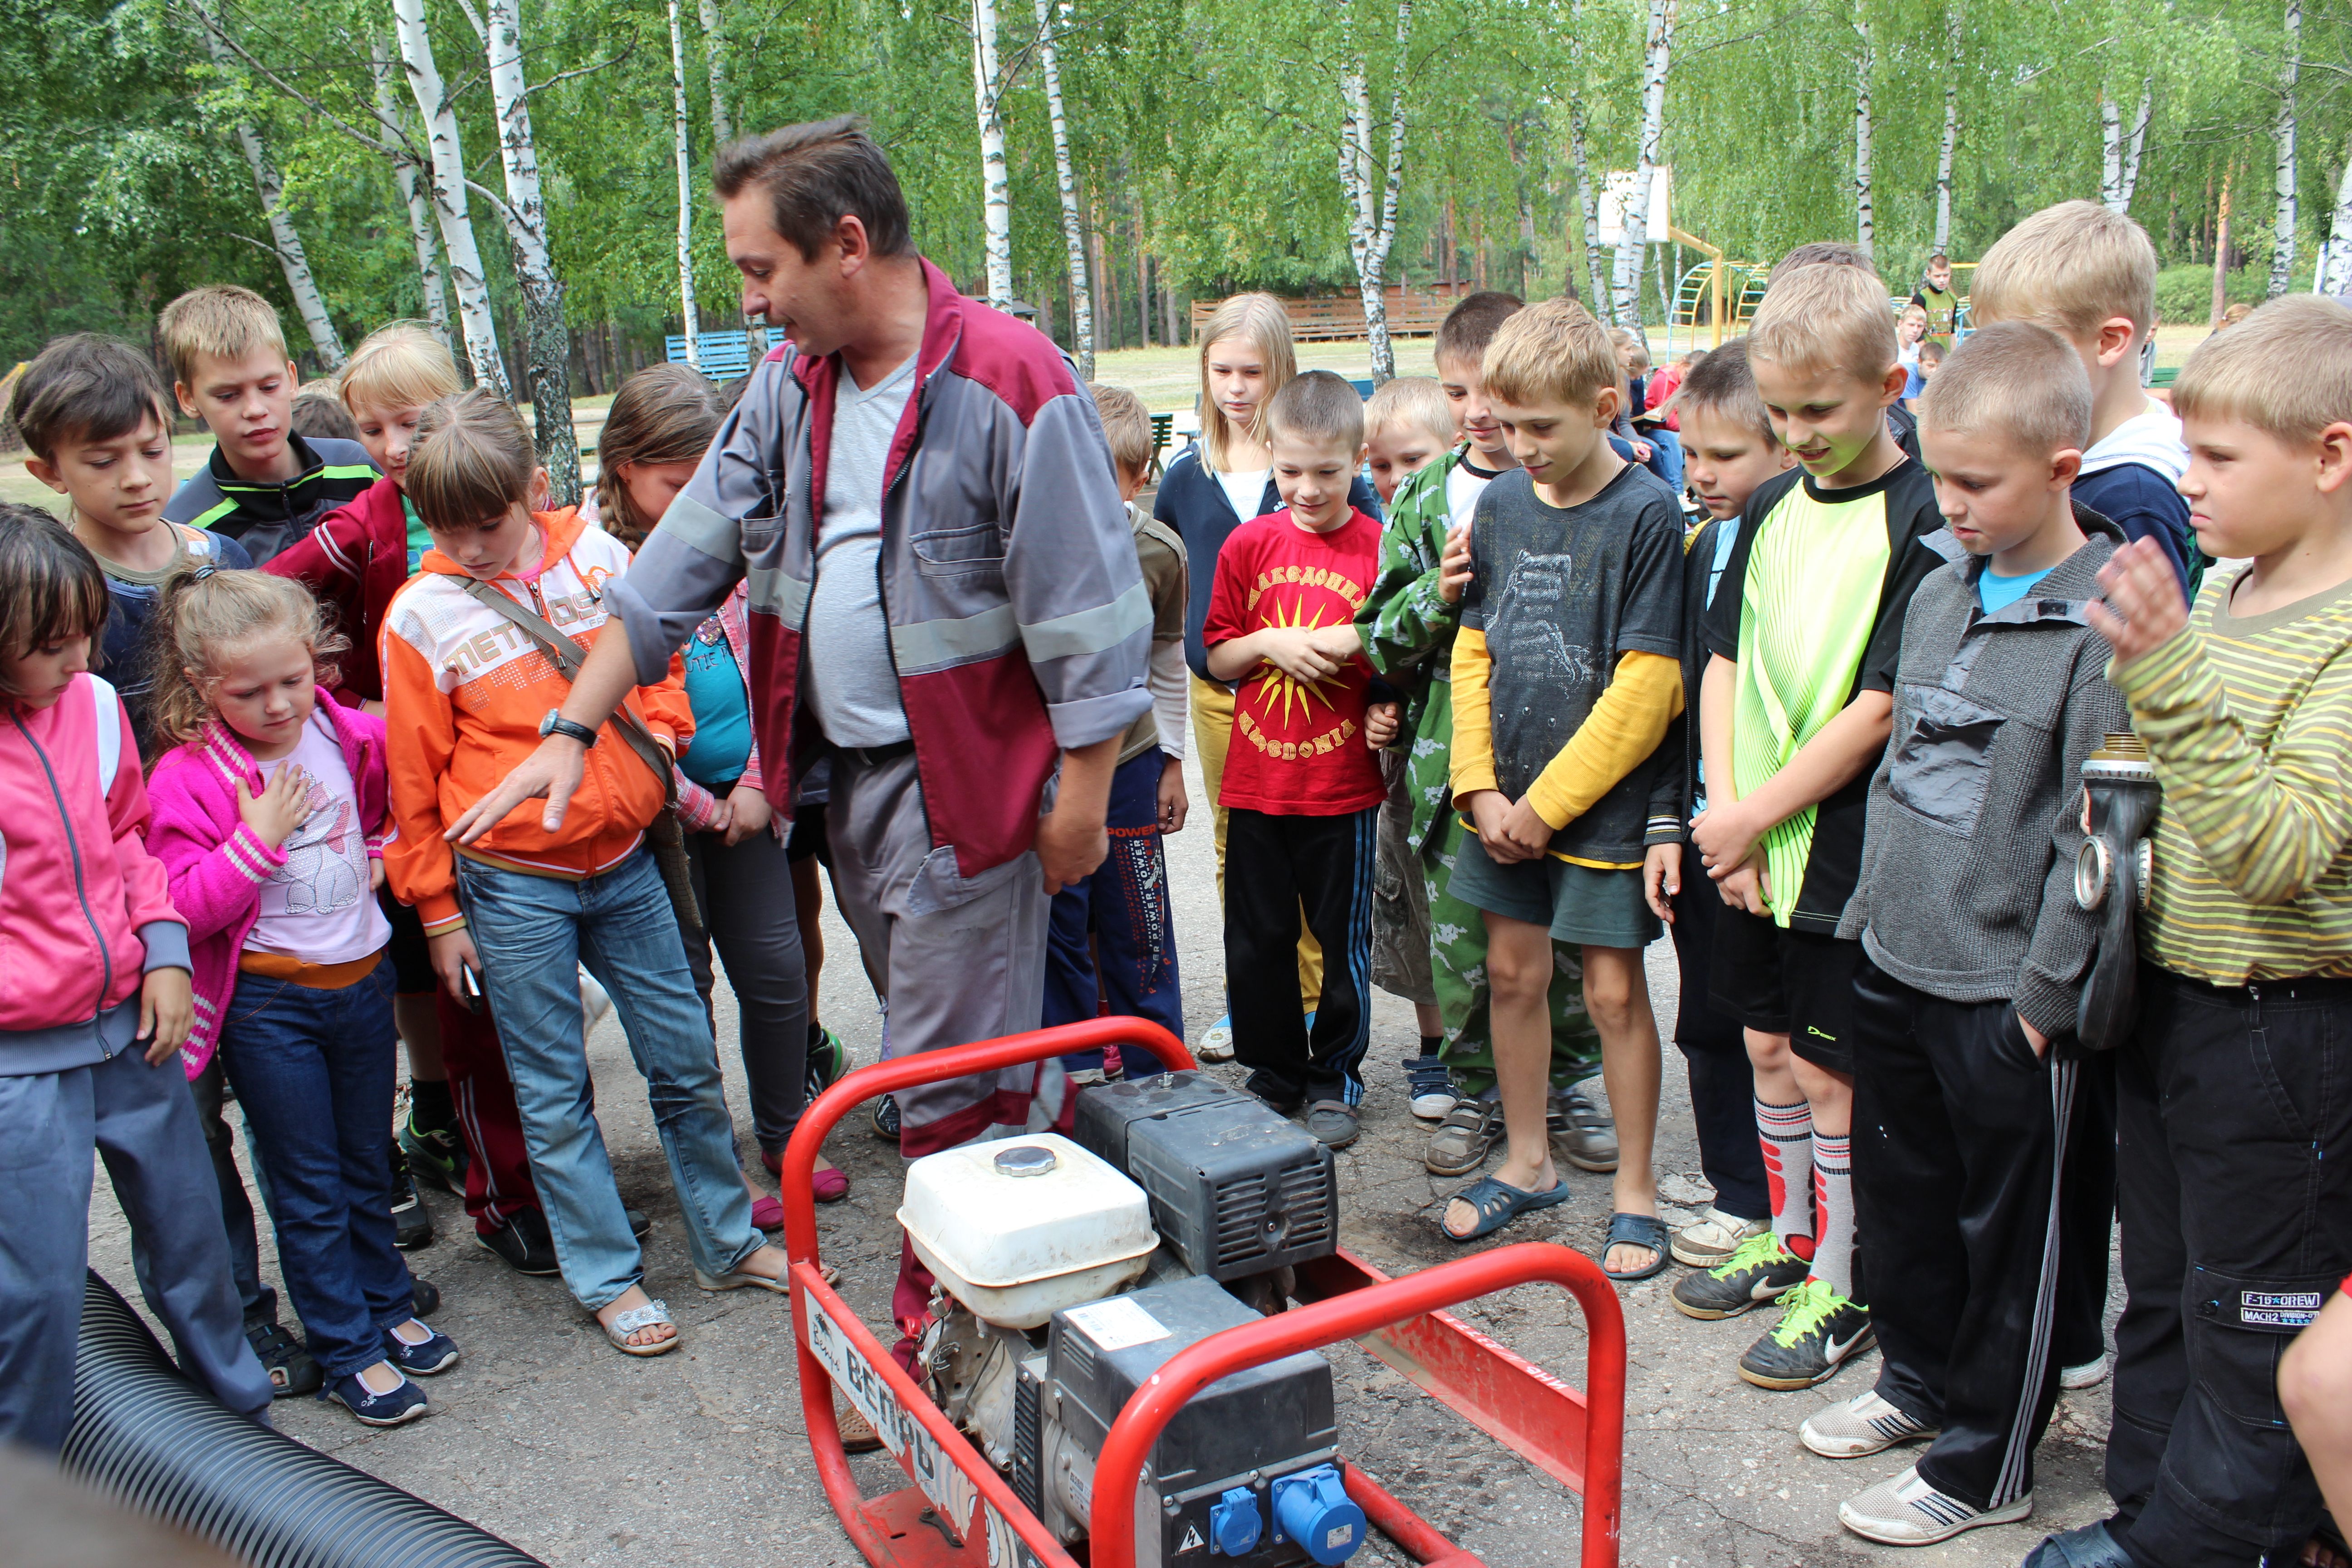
point(2120, 149)
point(1951, 142)
point(449, 208)
point(2336, 270)
point(1579, 158)
point(525, 212)
point(415, 203)
point(995, 186)
point(1372, 205)
point(1865, 66)
point(1657, 59)
point(285, 240)
point(685, 192)
point(714, 43)
point(2282, 170)
point(1074, 234)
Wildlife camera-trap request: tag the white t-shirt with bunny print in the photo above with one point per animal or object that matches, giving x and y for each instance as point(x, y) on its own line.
point(317, 907)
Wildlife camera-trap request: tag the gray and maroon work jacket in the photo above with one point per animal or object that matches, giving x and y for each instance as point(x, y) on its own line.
point(1019, 622)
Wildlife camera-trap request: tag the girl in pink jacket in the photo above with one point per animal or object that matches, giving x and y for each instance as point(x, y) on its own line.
point(94, 1009)
point(270, 819)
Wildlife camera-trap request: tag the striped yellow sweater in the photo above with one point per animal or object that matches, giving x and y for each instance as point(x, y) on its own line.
point(2249, 720)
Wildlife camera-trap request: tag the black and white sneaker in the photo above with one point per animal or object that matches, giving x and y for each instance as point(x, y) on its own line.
point(885, 1118)
point(412, 1224)
point(1818, 1332)
point(523, 1242)
point(1429, 1083)
point(1905, 1511)
point(1760, 1270)
point(1863, 1424)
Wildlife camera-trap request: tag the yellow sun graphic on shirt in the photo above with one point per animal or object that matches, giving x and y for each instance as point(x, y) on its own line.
point(1282, 688)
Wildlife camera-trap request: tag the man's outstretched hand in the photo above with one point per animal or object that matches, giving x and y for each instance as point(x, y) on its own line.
point(553, 771)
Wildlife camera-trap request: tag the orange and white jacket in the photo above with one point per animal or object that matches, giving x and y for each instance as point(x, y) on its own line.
point(465, 690)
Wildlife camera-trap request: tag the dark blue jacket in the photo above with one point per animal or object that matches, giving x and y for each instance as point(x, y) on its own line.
point(2144, 504)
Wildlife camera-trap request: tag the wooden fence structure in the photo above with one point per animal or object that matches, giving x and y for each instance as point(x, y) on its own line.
point(1413, 311)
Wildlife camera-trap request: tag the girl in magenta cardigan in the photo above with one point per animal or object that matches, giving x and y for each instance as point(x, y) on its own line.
point(276, 874)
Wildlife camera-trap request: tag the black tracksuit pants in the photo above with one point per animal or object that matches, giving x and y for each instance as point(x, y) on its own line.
point(2234, 1183)
point(1958, 1133)
point(1277, 866)
point(1715, 1050)
point(2086, 1229)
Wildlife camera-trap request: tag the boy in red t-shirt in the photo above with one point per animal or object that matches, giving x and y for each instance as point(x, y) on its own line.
point(1302, 786)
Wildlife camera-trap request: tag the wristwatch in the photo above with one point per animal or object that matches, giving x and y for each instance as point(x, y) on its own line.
point(555, 723)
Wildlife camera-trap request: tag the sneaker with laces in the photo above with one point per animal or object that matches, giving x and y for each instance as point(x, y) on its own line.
point(2090, 1374)
point(1862, 1425)
point(1430, 1082)
point(885, 1117)
point(412, 1224)
point(1584, 1138)
point(1819, 1331)
point(1713, 1236)
point(435, 1156)
point(829, 1060)
point(523, 1242)
point(1905, 1511)
point(1760, 1270)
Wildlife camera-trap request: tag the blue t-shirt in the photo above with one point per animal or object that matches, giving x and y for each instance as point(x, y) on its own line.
point(131, 598)
point(1995, 592)
point(721, 747)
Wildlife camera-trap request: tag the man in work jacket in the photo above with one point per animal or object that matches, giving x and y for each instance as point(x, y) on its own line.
point(944, 599)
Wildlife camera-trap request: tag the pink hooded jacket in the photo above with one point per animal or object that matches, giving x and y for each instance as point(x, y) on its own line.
point(84, 909)
point(217, 864)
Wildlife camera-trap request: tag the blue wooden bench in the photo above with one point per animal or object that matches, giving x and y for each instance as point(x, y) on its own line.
point(725, 356)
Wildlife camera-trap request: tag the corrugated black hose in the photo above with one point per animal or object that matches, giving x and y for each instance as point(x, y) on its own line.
point(160, 1445)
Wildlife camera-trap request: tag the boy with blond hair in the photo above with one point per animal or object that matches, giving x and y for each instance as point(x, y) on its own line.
point(1794, 709)
point(1408, 425)
point(1408, 625)
point(1973, 944)
point(1109, 937)
point(1567, 679)
point(264, 486)
point(2236, 1163)
point(2089, 274)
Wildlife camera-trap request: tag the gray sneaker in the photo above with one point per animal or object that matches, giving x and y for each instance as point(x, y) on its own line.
point(1583, 1136)
point(1460, 1144)
point(1861, 1426)
point(1333, 1123)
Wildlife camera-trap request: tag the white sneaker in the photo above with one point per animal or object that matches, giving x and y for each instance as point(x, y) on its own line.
point(1862, 1424)
point(1713, 1236)
point(1216, 1041)
point(1904, 1511)
point(594, 1003)
point(2090, 1374)
point(1430, 1085)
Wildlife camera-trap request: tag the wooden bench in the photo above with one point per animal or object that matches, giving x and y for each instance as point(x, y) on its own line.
point(1339, 318)
point(725, 356)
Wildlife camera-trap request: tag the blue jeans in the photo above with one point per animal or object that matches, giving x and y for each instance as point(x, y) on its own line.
point(141, 1120)
point(533, 934)
point(1124, 908)
point(313, 1071)
point(1666, 460)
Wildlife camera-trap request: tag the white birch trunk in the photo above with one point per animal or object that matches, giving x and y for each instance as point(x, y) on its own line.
point(479, 328)
point(1372, 208)
point(1657, 59)
point(2336, 261)
point(684, 190)
point(2282, 171)
point(714, 43)
point(1952, 141)
point(2138, 140)
point(1074, 234)
point(543, 291)
point(2111, 154)
point(413, 198)
point(284, 239)
point(1588, 204)
point(1865, 66)
point(995, 186)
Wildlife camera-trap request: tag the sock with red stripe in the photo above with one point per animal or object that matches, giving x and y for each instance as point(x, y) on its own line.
point(1786, 1132)
point(1833, 1208)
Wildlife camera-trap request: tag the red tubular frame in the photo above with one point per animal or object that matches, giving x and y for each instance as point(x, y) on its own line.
point(886, 1530)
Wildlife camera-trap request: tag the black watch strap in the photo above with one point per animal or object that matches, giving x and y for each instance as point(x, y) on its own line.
point(559, 725)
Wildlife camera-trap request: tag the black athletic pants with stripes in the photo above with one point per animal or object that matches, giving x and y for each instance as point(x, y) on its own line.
point(1277, 866)
point(2234, 1183)
point(1958, 1132)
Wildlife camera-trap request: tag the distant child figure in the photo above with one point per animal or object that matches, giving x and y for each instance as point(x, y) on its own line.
point(1214, 487)
point(2089, 274)
point(1803, 637)
point(2235, 1159)
point(264, 486)
point(319, 411)
point(1408, 624)
point(1941, 301)
point(95, 1005)
point(1111, 940)
point(277, 871)
point(511, 916)
point(1909, 329)
point(1729, 442)
point(1973, 946)
point(1301, 787)
point(99, 422)
point(1567, 680)
point(1408, 425)
point(1931, 359)
point(661, 422)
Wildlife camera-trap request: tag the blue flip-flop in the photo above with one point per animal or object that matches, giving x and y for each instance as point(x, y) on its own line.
point(1636, 1230)
point(1498, 1204)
